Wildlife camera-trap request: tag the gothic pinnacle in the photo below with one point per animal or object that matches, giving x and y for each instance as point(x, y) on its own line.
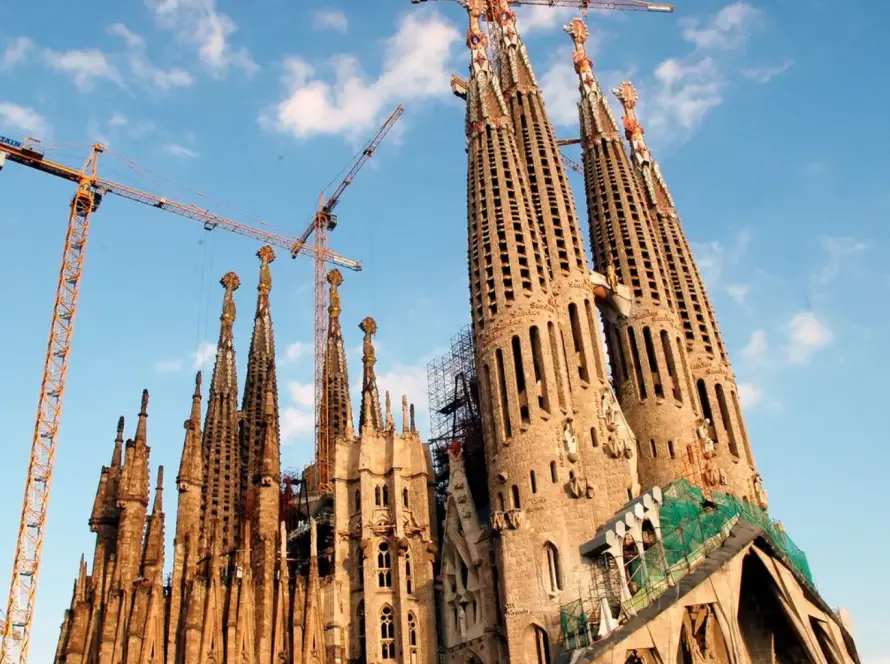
point(405, 421)
point(158, 506)
point(596, 116)
point(266, 255)
point(370, 412)
point(118, 444)
point(231, 283)
point(334, 278)
point(196, 402)
point(143, 416)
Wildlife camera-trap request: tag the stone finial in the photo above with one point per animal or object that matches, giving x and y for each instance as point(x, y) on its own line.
point(231, 283)
point(390, 422)
point(266, 255)
point(118, 444)
point(335, 278)
point(579, 33)
point(369, 327)
point(143, 415)
point(159, 492)
point(405, 421)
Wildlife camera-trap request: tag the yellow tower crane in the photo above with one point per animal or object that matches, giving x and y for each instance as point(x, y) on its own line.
point(323, 221)
point(17, 621)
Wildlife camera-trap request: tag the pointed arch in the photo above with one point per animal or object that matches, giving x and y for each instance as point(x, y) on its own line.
point(387, 633)
point(412, 629)
point(537, 645)
point(553, 571)
point(409, 573)
point(360, 629)
point(384, 565)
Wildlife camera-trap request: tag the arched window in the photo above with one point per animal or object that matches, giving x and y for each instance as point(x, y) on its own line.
point(360, 628)
point(385, 495)
point(542, 645)
point(412, 630)
point(387, 633)
point(384, 565)
point(553, 476)
point(405, 496)
point(515, 492)
point(358, 500)
point(409, 574)
point(360, 566)
point(377, 496)
point(554, 575)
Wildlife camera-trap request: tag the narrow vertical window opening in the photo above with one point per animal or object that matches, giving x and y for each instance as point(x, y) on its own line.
point(405, 496)
point(653, 362)
point(635, 359)
point(387, 633)
point(554, 355)
point(671, 365)
point(593, 327)
point(384, 565)
point(727, 423)
point(514, 490)
point(502, 388)
point(671, 451)
point(385, 496)
point(553, 475)
point(533, 482)
point(554, 574)
point(578, 343)
point(540, 373)
point(653, 447)
point(706, 406)
point(520, 380)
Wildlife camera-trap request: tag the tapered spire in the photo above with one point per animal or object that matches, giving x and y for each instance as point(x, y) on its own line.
point(596, 117)
point(116, 457)
point(105, 509)
point(134, 483)
point(337, 404)
point(270, 460)
point(191, 465)
point(221, 450)
point(153, 552)
point(260, 377)
point(370, 414)
point(485, 103)
point(721, 426)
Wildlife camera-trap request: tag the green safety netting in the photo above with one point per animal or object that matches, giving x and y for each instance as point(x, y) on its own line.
point(691, 527)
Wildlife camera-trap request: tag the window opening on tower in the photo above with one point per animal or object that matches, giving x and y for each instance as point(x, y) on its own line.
point(578, 344)
point(554, 356)
point(635, 358)
point(502, 389)
point(727, 423)
point(671, 365)
point(519, 374)
point(653, 362)
point(706, 407)
point(540, 374)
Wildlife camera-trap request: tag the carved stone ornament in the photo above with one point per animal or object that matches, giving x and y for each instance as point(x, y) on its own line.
point(509, 520)
point(704, 437)
point(579, 487)
point(382, 521)
point(409, 523)
point(570, 440)
point(714, 477)
point(760, 492)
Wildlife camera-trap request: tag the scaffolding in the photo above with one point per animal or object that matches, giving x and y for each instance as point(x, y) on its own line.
point(693, 524)
point(454, 416)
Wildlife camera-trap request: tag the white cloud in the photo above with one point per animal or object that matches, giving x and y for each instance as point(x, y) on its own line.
point(538, 17)
point(806, 334)
point(168, 366)
point(27, 120)
point(728, 29)
point(415, 67)
point(302, 394)
point(197, 23)
point(15, 52)
point(767, 73)
point(295, 423)
point(838, 249)
point(684, 93)
point(330, 19)
point(410, 380)
point(203, 354)
point(750, 395)
point(142, 68)
point(757, 346)
point(295, 351)
point(738, 292)
point(86, 66)
point(178, 150)
point(117, 120)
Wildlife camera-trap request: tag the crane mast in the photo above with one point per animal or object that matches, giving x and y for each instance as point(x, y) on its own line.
point(322, 222)
point(584, 5)
point(15, 631)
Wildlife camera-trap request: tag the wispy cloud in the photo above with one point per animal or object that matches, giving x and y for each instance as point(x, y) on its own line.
point(738, 292)
point(168, 366)
point(202, 355)
point(538, 18)
point(199, 24)
point(416, 67)
point(757, 346)
point(330, 19)
point(750, 395)
point(301, 393)
point(838, 251)
point(727, 29)
point(15, 53)
point(806, 335)
point(85, 66)
point(22, 118)
point(142, 68)
point(767, 73)
point(177, 150)
point(295, 351)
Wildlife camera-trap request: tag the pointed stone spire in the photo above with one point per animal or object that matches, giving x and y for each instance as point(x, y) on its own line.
point(336, 403)
point(370, 414)
point(485, 103)
point(313, 637)
point(260, 377)
point(118, 444)
point(390, 422)
point(411, 410)
point(596, 117)
point(220, 446)
point(405, 422)
point(134, 482)
point(153, 551)
point(271, 454)
point(191, 465)
point(80, 586)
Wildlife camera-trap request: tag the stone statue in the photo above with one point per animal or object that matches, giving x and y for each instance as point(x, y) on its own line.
point(707, 444)
point(571, 440)
point(760, 496)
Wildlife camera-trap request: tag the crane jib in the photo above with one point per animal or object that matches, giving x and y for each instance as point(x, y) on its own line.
point(11, 142)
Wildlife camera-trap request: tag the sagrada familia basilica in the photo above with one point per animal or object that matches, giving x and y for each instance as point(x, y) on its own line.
point(608, 509)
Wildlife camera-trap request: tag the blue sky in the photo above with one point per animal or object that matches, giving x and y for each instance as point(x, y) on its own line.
point(760, 114)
